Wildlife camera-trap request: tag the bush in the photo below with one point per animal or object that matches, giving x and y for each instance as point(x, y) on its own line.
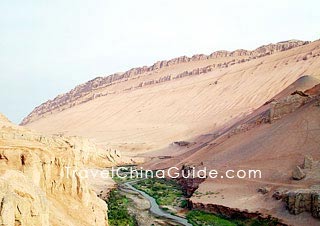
point(201, 218)
point(164, 191)
point(117, 210)
point(184, 204)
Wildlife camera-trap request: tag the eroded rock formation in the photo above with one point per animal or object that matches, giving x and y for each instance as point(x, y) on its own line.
point(188, 182)
point(34, 186)
point(91, 89)
point(287, 105)
point(298, 174)
point(304, 200)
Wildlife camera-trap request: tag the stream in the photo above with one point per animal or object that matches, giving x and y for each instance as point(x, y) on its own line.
point(154, 207)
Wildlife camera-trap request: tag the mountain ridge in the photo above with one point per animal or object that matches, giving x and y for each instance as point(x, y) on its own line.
point(153, 109)
point(97, 83)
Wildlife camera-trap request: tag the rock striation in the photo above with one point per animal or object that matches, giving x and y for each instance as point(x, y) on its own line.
point(287, 105)
point(304, 200)
point(91, 89)
point(34, 186)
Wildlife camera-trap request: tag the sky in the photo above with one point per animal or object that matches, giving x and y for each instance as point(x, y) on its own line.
point(49, 47)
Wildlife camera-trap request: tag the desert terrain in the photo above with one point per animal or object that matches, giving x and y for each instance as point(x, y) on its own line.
point(235, 110)
point(34, 187)
point(147, 109)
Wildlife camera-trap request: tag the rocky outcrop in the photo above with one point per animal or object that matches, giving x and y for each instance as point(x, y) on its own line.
point(181, 143)
point(189, 183)
point(22, 203)
point(276, 109)
point(264, 190)
point(298, 174)
point(304, 200)
point(309, 166)
point(280, 194)
point(197, 71)
point(35, 188)
point(91, 89)
point(287, 105)
point(308, 162)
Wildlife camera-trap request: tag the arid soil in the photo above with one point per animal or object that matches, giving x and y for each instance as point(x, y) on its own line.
point(230, 110)
point(152, 116)
point(276, 147)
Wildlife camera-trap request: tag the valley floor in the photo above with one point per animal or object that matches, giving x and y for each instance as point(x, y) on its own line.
point(168, 195)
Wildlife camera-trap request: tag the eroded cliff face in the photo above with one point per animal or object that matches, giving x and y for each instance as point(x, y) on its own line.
point(21, 202)
point(34, 186)
point(189, 184)
point(95, 88)
point(304, 200)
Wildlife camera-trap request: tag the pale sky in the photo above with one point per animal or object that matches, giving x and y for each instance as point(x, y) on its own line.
point(48, 47)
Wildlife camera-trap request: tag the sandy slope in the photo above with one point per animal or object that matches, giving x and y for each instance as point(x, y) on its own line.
point(274, 148)
point(153, 116)
point(199, 108)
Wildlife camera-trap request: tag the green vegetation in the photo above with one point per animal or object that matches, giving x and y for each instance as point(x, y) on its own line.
point(201, 218)
point(125, 174)
point(184, 204)
point(169, 196)
point(208, 193)
point(165, 192)
point(117, 210)
point(120, 180)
